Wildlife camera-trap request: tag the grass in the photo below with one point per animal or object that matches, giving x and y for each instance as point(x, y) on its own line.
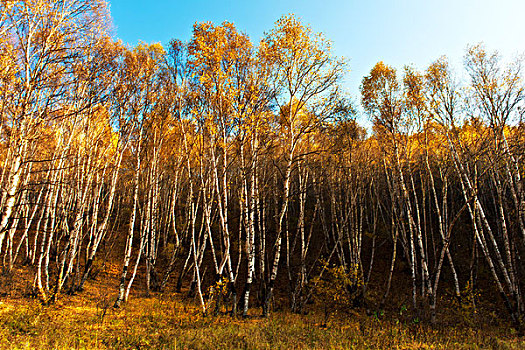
point(169, 322)
point(87, 320)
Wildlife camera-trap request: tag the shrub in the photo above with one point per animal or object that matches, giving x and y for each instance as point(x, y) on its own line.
point(337, 288)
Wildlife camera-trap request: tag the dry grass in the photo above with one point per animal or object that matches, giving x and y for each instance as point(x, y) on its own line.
point(88, 321)
point(167, 322)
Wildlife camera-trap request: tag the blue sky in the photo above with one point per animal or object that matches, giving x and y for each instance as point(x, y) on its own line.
point(400, 32)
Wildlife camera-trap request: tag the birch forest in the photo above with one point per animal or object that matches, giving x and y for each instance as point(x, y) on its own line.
point(240, 174)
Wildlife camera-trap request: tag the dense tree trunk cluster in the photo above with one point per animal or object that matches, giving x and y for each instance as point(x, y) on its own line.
point(238, 168)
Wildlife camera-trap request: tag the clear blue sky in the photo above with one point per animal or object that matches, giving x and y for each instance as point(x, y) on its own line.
point(365, 31)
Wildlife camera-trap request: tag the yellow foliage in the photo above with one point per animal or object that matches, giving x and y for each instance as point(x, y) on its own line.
point(338, 287)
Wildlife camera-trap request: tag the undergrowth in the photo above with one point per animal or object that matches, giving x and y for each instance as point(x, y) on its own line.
point(168, 322)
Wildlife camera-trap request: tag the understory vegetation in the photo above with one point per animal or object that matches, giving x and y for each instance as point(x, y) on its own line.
point(89, 321)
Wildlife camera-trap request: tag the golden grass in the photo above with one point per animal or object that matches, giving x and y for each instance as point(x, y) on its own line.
point(87, 320)
point(167, 322)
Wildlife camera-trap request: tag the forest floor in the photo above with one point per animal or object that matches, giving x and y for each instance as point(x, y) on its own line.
point(87, 320)
point(167, 322)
